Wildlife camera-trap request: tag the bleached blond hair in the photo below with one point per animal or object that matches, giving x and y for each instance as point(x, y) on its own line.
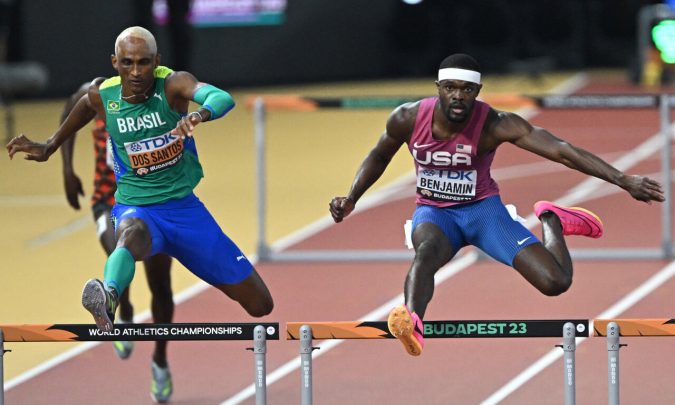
point(137, 32)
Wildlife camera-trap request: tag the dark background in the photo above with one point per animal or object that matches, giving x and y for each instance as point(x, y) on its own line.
point(333, 40)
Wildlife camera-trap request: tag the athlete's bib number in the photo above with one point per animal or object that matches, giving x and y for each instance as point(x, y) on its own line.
point(154, 154)
point(447, 185)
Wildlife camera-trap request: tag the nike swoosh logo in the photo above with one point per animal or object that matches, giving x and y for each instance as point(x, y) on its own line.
point(158, 96)
point(240, 258)
point(520, 242)
point(422, 146)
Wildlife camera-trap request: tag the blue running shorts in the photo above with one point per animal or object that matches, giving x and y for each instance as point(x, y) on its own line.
point(185, 230)
point(485, 224)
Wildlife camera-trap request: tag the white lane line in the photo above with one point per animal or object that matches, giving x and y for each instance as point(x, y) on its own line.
point(55, 234)
point(615, 310)
point(572, 84)
point(51, 363)
point(20, 201)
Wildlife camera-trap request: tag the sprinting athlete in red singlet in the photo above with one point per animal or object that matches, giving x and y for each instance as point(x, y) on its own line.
point(453, 138)
point(157, 268)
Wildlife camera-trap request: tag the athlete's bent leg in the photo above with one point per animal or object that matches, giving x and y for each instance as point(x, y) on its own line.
point(106, 235)
point(101, 298)
point(158, 274)
point(133, 244)
point(547, 267)
point(252, 294)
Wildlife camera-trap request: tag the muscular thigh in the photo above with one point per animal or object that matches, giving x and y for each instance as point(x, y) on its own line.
point(492, 229)
point(429, 221)
point(194, 238)
point(121, 212)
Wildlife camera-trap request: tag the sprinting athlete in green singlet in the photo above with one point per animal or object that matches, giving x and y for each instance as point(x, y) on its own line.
point(157, 267)
point(156, 166)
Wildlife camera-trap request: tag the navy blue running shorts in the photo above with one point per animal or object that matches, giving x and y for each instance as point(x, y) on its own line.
point(485, 224)
point(185, 230)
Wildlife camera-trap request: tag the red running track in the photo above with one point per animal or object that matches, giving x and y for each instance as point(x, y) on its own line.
point(457, 371)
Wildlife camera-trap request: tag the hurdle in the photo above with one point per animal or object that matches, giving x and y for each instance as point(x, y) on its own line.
point(569, 330)
point(262, 103)
point(615, 328)
point(258, 332)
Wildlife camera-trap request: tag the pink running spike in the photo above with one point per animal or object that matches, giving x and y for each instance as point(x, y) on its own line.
point(574, 220)
point(407, 328)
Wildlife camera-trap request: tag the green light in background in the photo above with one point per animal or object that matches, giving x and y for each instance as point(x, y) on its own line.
point(663, 35)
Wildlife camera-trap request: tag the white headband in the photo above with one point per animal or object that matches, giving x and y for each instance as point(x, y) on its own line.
point(459, 74)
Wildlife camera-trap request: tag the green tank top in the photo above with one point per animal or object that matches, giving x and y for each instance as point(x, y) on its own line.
point(151, 165)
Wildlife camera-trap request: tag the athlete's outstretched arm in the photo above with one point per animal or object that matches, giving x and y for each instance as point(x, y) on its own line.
point(512, 128)
point(83, 112)
point(397, 132)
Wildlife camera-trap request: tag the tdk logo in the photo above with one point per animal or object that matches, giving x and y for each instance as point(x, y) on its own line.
point(153, 143)
point(442, 158)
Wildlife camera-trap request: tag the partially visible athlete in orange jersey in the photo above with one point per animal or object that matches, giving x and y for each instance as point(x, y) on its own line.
point(157, 268)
